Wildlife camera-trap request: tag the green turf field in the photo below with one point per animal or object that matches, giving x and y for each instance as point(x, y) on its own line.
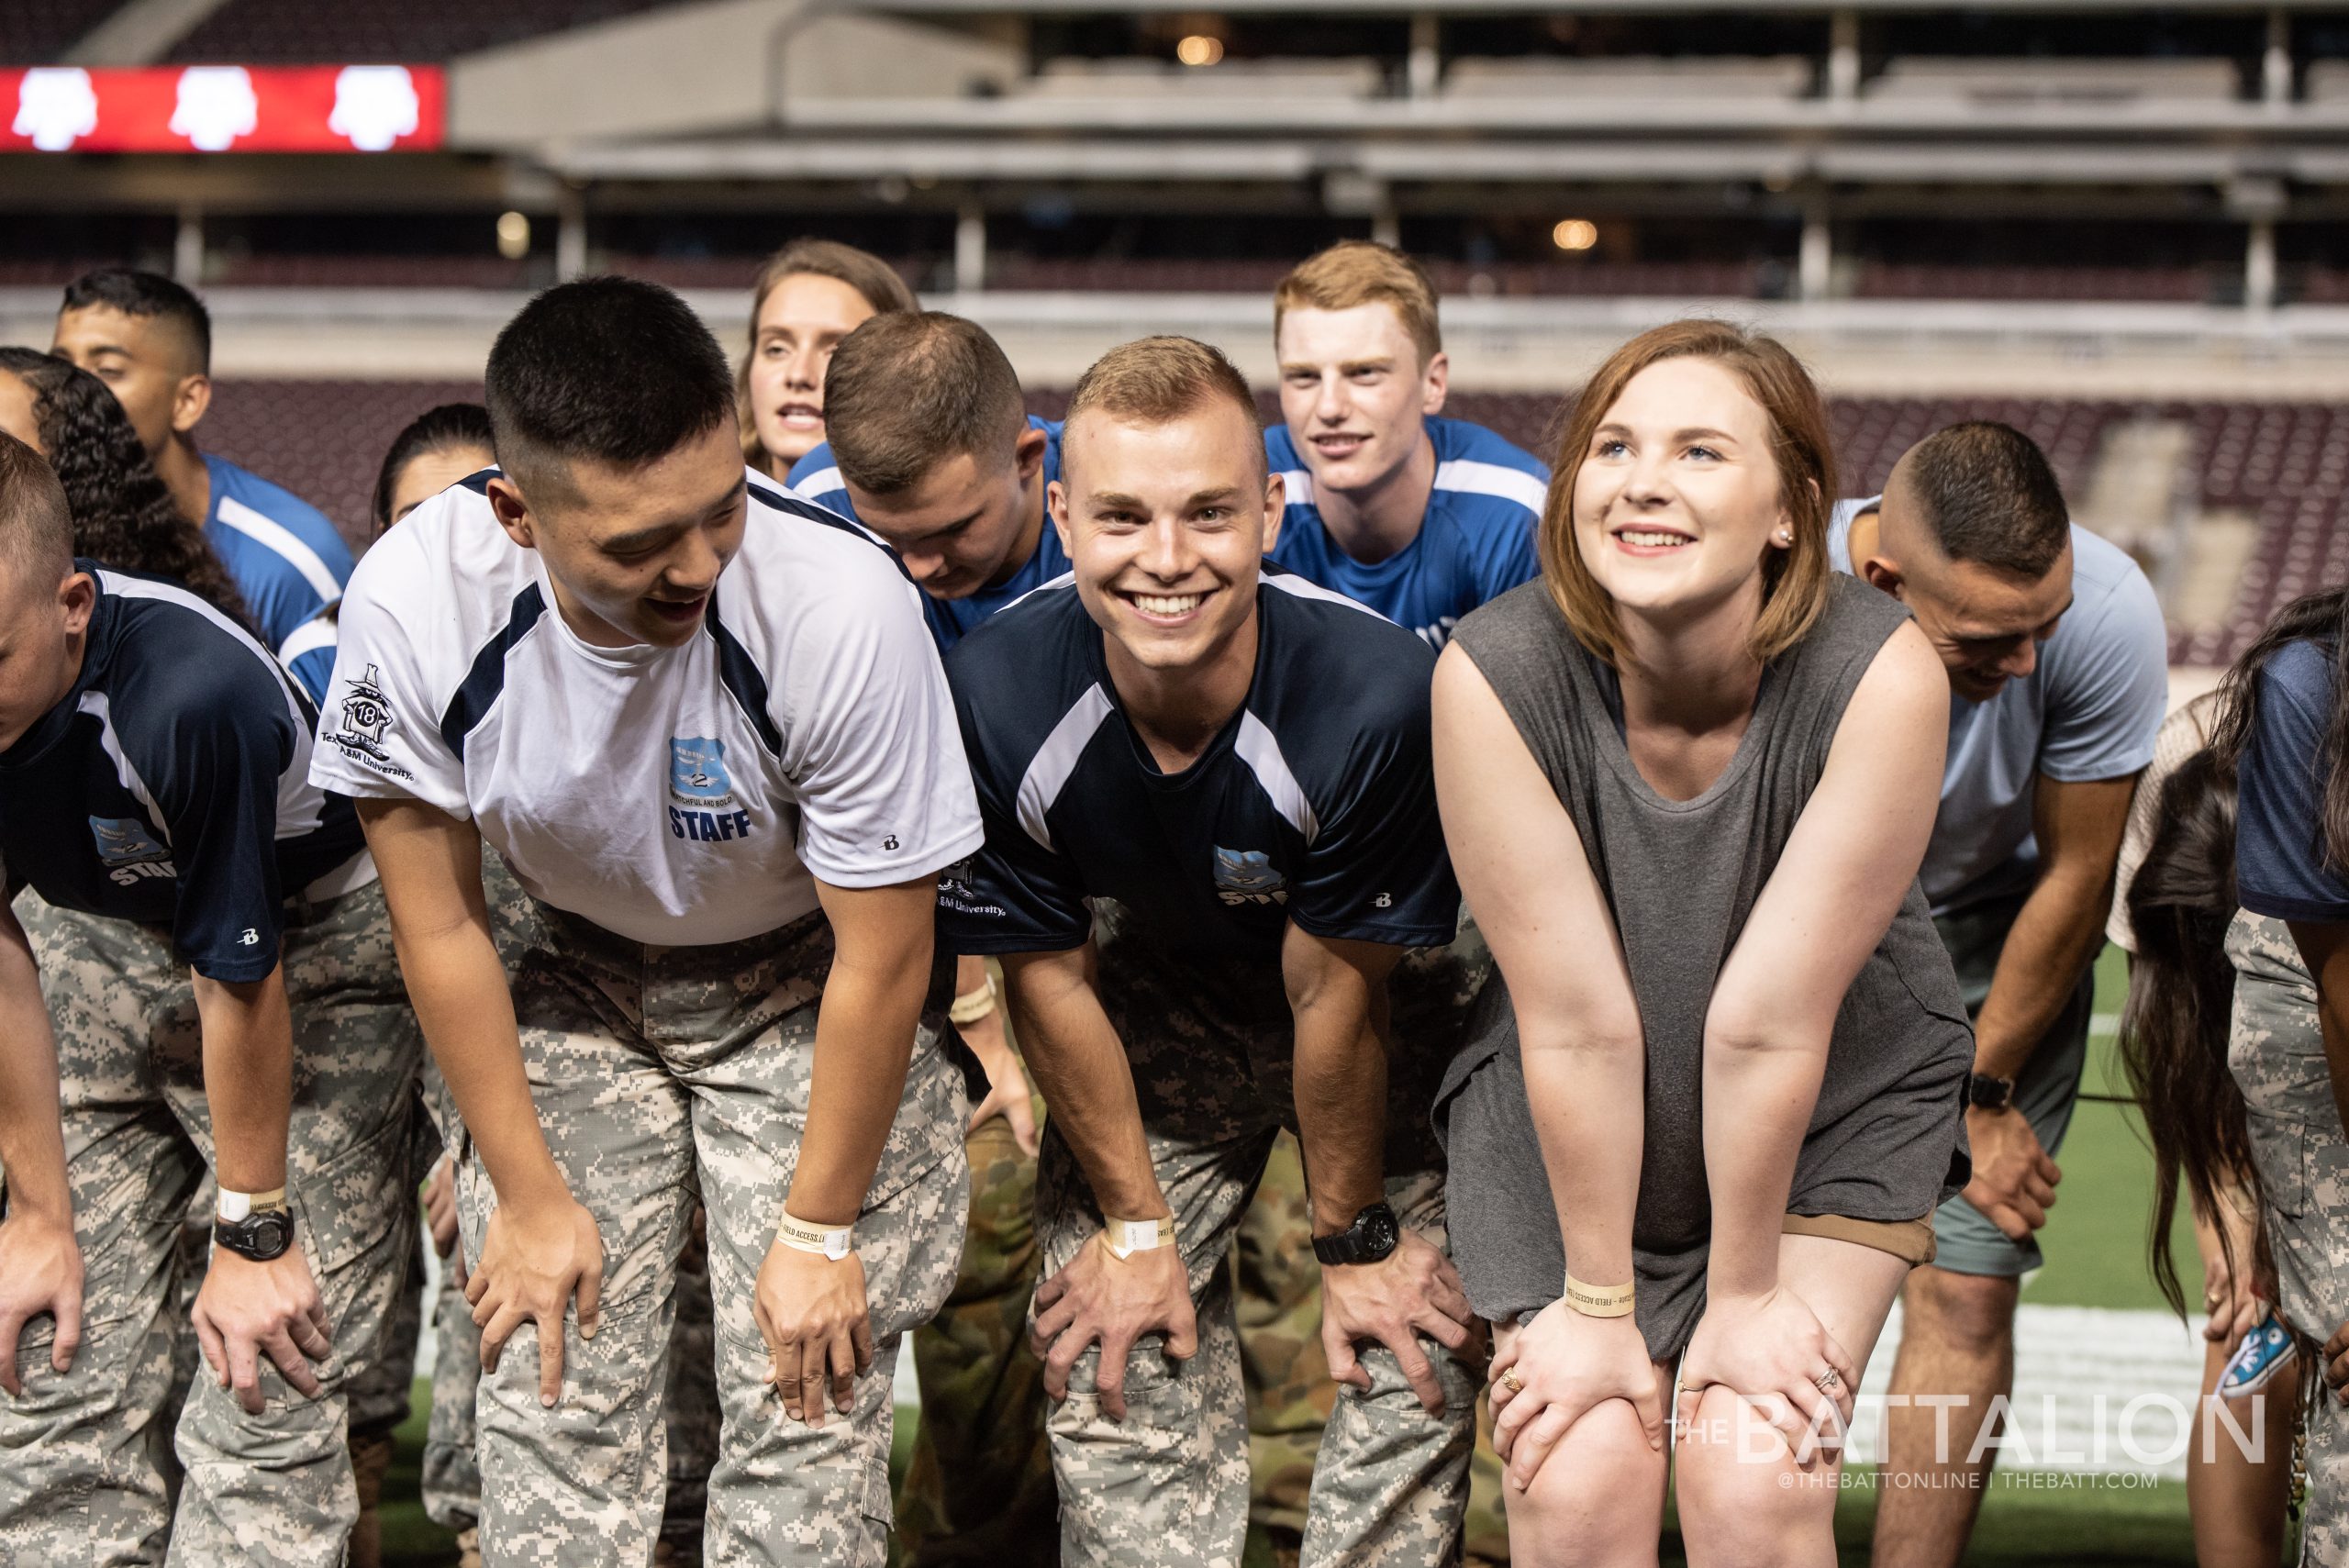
point(2094, 1243)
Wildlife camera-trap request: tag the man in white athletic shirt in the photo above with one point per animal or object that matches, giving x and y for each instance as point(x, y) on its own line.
point(704, 723)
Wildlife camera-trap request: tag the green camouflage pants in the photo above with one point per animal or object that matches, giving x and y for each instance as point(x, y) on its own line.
point(2275, 1050)
point(1290, 1391)
point(1210, 1049)
point(662, 1076)
point(979, 1491)
point(81, 1474)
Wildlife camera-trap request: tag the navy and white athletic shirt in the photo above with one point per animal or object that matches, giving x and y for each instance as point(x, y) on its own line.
point(818, 477)
point(1316, 804)
point(286, 557)
point(1475, 543)
point(680, 796)
point(171, 786)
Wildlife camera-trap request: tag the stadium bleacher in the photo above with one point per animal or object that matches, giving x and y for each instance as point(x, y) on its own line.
point(35, 32)
point(300, 32)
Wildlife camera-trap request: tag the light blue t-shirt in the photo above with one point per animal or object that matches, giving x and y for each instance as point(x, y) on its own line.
point(1475, 543)
point(308, 654)
point(2088, 710)
point(284, 556)
point(818, 477)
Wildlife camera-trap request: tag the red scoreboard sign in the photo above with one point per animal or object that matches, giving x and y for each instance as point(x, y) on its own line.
point(224, 108)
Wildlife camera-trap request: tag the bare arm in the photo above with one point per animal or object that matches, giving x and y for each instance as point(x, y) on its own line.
point(811, 1308)
point(1337, 995)
point(540, 1247)
point(1097, 1297)
point(248, 1078)
point(40, 1263)
point(1849, 863)
point(2061, 924)
point(1521, 866)
point(865, 1039)
point(2325, 950)
point(1080, 1066)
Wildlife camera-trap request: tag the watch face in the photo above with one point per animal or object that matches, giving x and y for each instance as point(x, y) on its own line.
point(261, 1237)
point(1380, 1231)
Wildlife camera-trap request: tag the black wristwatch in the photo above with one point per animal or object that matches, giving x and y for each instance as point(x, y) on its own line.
point(1986, 1093)
point(261, 1235)
point(1371, 1237)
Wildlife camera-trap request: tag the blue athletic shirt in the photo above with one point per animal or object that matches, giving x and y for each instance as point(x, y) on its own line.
point(818, 477)
point(286, 559)
point(1316, 804)
point(2280, 868)
point(171, 785)
point(1475, 544)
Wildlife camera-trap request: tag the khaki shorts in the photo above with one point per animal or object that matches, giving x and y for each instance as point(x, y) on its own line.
point(1911, 1240)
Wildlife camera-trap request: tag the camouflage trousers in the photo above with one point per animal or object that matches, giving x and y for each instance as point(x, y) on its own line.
point(2275, 1050)
point(979, 1491)
point(1211, 1052)
point(662, 1076)
point(1290, 1391)
point(83, 1463)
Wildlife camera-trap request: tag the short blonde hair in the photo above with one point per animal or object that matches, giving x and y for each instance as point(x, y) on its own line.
point(1363, 271)
point(1156, 380)
point(1795, 582)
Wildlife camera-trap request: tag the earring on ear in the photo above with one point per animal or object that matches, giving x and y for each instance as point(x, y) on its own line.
point(1786, 536)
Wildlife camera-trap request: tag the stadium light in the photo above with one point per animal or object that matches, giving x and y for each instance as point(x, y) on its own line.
point(513, 235)
point(1575, 234)
point(1199, 49)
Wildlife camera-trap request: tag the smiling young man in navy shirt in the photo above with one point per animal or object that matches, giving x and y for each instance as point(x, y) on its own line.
point(1215, 877)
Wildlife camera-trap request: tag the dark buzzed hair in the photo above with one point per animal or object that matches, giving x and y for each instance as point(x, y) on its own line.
point(613, 369)
point(1988, 494)
point(909, 389)
point(36, 527)
point(146, 296)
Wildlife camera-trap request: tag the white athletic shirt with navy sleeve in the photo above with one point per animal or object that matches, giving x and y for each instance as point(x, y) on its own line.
point(171, 785)
point(1475, 543)
point(1316, 802)
point(284, 556)
point(818, 477)
point(682, 795)
point(2089, 709)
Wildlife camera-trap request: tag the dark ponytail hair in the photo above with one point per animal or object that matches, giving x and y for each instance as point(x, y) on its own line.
point(2323, 619)
point(2174, 1026)
point(123, 513)
point(435, 429)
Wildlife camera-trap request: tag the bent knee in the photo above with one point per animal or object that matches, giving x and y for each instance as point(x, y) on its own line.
point(1974, 1312)
point(1598, 1497)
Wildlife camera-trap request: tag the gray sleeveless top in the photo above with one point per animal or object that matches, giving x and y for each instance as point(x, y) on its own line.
point(1680, 878)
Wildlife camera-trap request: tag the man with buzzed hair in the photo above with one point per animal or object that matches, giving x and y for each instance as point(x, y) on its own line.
point(2058, 678)
point(151, 342)
point(229, 1002)
point(1215, 877)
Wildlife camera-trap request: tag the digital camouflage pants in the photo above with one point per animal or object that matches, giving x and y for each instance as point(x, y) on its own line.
point(2275, 1050)
point(663, 1075)
point(82, 1461)
point(1211, 1052)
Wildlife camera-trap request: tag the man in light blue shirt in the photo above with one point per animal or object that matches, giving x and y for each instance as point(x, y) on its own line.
point(2057, 660)
point(151, 342)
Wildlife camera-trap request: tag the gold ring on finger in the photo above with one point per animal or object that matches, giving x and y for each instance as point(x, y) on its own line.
point(1510, 1380)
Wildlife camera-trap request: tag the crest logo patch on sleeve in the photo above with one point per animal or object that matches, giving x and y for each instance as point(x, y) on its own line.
point(366, 716)
point(1246, 876)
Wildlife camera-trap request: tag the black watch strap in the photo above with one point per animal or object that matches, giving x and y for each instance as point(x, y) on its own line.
point(1988, 1091)
point(261, 1235)
point(1372, 1236)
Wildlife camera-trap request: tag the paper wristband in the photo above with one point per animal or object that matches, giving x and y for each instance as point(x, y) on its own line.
point(245, 1204)
point(1599, 1300)
point(972, 1004)
point(824, 1240)
point(1127, 1237)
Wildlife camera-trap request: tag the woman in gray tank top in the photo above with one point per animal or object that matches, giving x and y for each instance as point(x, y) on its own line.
point(1712, 1096)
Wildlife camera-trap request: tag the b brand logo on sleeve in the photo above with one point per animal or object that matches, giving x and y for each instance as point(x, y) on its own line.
point(697, 779)
point(128, 852)
point(1246, 876)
